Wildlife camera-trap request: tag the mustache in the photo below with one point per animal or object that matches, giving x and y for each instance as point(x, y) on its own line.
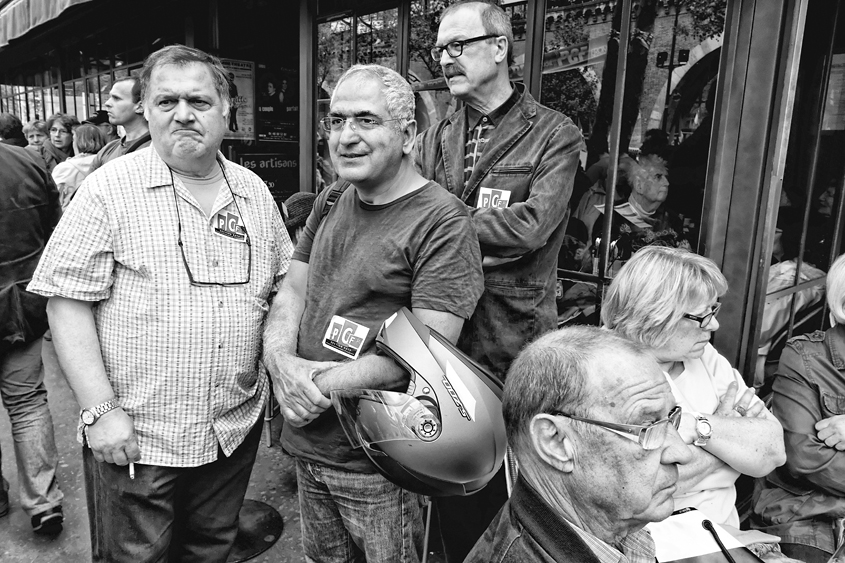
point(451, 70)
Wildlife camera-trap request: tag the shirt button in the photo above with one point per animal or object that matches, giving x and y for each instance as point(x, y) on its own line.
point(221, 304)
point(215, 263)
point(220, 346)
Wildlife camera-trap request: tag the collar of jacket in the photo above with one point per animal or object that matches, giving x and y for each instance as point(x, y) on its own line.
point(513, 126)
point(548, 528)
point(835, 346)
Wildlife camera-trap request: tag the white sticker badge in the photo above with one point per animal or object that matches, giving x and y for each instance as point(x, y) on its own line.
point(229, 225)
point(488, 197)
point(345, 337)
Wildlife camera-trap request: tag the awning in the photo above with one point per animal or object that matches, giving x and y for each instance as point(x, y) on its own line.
point(19, 16)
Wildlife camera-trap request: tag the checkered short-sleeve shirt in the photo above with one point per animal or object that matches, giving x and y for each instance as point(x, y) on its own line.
point(182, 359)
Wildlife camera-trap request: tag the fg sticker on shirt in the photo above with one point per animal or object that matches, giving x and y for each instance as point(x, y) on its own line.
point(488, 197)
point(229, 225)
point(345, 337)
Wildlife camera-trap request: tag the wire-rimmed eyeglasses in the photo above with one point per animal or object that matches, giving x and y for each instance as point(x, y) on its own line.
point(648, 436)
point(335, 123)
point(247, 240)
point(456, 48)
point(705, 320)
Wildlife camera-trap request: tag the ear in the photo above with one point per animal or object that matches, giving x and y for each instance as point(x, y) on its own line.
point(409, 136)
point(552, 438)
point(139, 108)
point(501, 50)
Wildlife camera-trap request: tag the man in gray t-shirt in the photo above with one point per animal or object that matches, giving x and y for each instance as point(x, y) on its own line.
point(391, 240)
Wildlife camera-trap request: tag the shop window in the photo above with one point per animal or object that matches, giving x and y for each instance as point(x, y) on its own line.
point(665, 122)
point(362, 39)
point(810, 216)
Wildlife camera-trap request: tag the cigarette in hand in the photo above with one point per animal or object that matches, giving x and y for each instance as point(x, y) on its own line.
point(131, 470)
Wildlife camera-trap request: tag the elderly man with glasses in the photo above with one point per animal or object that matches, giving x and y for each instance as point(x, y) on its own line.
point(159, 277)
point(512, 162)
point(383, 237)
point(594, 426)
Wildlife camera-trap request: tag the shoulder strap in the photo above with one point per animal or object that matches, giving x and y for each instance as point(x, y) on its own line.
point(332, 198)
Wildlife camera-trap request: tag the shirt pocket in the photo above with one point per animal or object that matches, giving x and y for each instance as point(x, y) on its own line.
point(833, 404)
point(515, 178)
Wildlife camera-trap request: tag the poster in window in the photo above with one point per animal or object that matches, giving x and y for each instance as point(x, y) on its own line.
point(241, 76)
point(834, 108)
point(278, 104)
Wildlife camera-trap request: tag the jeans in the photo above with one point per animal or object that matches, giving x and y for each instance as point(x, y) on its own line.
point(25, 398)
point(168, 514)
point(805, 553)
point(357, 517)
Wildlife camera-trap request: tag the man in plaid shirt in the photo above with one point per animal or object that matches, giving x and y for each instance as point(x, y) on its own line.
point(159, 276)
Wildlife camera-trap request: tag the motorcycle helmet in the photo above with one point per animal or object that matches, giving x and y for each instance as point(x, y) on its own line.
point(445, 435)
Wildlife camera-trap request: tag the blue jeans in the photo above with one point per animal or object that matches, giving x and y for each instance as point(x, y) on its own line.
point(25, 398)
point(168, 514)
point(357, 517)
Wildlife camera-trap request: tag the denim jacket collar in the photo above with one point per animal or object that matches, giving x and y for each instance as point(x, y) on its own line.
point(836, 346)
point(514, 125)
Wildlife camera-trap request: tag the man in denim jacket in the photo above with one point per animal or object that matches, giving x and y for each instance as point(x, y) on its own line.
point(512, 161)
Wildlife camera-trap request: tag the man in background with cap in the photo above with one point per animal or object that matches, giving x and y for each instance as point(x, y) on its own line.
point(295, 211)
point(124, 108)
point(101, 121)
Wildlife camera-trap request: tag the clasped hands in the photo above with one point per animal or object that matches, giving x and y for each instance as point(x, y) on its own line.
point(299, 398)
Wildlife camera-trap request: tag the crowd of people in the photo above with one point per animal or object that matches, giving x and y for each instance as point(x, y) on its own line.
point(166, 330)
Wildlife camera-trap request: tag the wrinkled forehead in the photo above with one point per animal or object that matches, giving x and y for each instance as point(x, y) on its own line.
point(630, 388)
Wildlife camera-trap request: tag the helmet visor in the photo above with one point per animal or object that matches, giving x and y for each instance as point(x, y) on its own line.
point(371, 416)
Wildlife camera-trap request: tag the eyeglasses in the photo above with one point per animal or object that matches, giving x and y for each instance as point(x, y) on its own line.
point(705, 320)
point(456, 48)
point(335, 123)
point(247, 240)
point(649, 436)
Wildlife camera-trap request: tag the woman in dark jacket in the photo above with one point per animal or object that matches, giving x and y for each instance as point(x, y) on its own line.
point(803, 501)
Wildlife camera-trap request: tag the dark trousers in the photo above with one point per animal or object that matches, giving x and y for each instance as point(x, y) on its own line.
point(464, 519)
point(167, 514)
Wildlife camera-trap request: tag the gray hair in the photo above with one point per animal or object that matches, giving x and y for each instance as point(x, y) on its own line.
point(651, 293)
point(180, 55)
point(398, 95)
point(836, 289)
point(493, 18)
point(552, 373)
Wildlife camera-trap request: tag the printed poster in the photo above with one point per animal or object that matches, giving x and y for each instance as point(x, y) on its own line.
point(277, 104)
point(241, 76)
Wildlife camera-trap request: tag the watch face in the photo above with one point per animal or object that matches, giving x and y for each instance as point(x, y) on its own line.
point(704, 428)
point(87, 417)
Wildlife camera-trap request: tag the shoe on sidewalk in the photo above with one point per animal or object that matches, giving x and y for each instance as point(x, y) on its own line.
point(4, 497)
point(49, 522)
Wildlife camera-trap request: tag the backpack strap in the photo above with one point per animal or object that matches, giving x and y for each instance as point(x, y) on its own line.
point(332, 198)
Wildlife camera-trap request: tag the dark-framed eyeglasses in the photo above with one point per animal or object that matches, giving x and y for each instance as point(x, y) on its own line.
point(333, 123)
point(456, 48)
point(648, 436)
point(247, 241)
point(705, 320)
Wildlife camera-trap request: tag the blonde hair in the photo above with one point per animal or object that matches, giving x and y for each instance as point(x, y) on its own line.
point(836, 290)
point(652, 292)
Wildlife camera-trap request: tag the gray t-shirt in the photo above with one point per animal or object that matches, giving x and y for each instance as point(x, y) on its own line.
point(365, 263)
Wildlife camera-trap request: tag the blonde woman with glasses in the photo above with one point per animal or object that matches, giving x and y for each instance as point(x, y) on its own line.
point(667, 299)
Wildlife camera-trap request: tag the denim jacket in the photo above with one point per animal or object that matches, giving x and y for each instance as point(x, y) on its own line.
point(803, 499)
point(528, 530)
point(533, 153)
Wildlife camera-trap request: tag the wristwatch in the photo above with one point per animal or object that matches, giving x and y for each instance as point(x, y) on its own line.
point(703, 429)
point(90, 416)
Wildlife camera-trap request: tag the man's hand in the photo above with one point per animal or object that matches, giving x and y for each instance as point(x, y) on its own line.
point(299, 398)
point(112, 438)
point(831, 431)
